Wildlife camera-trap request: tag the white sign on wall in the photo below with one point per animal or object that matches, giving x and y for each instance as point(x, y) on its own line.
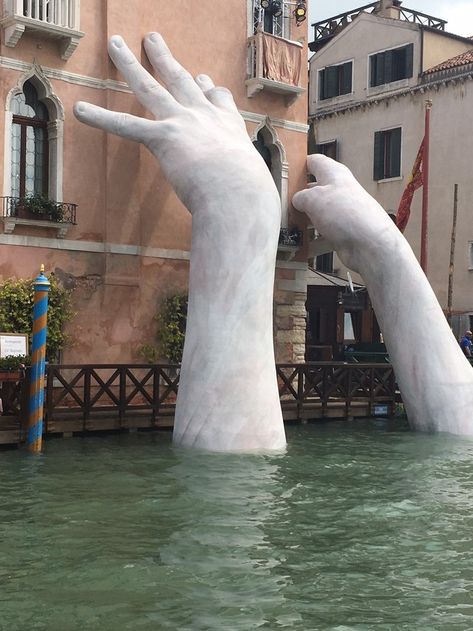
point(13, 344)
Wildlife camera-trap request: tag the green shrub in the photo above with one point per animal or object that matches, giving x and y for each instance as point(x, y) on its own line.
point(171, 318)
point(16, 312)
point(14, 362)
point(43, 207)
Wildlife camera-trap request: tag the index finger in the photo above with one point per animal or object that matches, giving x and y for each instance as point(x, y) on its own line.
point(148, 91)
point(326, 170)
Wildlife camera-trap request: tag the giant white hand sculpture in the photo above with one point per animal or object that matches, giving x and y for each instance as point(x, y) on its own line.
point(228, 397)
point(435, 379)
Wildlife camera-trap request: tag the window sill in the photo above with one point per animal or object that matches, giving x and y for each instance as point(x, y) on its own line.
point(398, 178)
point(387, 87)
point(15, 25)
point(10, 223)
point(341, 98)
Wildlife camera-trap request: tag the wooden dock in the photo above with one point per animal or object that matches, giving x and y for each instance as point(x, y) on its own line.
point(83, 399)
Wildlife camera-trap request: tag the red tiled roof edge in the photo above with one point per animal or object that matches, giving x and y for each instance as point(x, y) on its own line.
point(460, 60)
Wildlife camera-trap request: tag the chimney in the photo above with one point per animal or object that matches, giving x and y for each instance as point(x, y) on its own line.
point(389, 9)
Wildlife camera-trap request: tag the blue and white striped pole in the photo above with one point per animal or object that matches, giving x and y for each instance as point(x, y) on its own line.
point(34, 428)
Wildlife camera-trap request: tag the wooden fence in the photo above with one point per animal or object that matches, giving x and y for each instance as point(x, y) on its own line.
point(88, 398)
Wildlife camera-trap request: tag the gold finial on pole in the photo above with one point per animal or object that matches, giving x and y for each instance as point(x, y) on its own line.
point(41, 269)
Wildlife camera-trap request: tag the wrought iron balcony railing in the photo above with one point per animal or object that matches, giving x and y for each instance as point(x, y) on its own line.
point(55, 212)
point(290, 236)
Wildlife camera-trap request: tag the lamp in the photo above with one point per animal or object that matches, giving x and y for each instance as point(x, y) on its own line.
point(300, 12)
point(273, 6)
point(276, 8)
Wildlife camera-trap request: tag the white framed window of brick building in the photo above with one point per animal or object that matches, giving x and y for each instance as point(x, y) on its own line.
point(34, 132)
point(390, 65)
point(335, 80)
point(387, 154)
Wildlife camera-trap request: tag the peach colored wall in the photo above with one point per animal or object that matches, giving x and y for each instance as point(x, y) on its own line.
point(121, 194)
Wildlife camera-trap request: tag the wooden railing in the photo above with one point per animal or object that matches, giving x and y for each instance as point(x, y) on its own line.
point(317, 386)
point(150, 391)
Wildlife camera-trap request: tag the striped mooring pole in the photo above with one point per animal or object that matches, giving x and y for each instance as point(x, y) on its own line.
point(34, 428)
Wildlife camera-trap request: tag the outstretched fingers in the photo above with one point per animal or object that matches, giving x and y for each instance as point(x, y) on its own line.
point(119, 123)
point(148, 91)
point(178, 81)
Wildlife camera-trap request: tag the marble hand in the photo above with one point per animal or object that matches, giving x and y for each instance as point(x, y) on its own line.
point(437, 383)
point(228, 393)
point(197, 133)
point(344, 213)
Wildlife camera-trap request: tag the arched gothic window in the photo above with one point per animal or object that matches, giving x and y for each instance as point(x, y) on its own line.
point(29, 143)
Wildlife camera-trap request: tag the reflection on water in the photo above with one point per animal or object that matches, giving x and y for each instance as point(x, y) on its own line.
point(360, 526)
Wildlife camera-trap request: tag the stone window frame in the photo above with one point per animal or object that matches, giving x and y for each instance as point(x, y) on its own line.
point(55, 128)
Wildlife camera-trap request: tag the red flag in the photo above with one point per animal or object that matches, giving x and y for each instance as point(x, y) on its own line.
point(416, 180)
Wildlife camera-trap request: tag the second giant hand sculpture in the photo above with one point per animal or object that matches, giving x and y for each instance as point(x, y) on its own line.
point(228, 397)
point(435, 378)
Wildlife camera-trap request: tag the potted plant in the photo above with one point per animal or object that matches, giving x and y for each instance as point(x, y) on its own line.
point(39, 206)
point(12, 367)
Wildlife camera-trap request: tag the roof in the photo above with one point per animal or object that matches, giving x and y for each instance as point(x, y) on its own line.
point(314, 277)
point(454, 62)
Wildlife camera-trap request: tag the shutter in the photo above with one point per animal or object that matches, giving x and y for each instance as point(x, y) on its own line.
point(322, 85)
point(378, 164)
point(388, 66)
point(372, 71)
point(332, 81)
point(395, 156)
point(346, 77)
point(409, 60)
point(380, 69)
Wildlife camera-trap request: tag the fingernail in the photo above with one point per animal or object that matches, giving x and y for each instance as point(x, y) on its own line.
point(117, 41)
point(154, 37)
point(79, 107)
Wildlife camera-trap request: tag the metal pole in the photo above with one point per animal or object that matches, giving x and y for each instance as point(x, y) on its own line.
point(425, 190)
point(452, 256)
point(34, 428)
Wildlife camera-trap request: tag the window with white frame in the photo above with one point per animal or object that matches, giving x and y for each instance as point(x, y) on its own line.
point(387, 154)
point(335, 80)
point(391, 65)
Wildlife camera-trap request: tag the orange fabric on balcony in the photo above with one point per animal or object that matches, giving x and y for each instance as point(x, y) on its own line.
point(281, 60)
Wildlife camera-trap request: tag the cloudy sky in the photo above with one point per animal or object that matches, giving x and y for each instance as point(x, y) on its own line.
point(459, 13)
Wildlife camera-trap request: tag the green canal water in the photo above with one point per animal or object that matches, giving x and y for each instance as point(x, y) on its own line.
point(359, 526)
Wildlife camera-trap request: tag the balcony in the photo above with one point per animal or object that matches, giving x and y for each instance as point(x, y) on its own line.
point(44, 213)
point(274, 64)
point(290, 240)
point(56, 19)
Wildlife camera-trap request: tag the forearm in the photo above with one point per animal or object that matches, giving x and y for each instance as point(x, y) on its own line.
point(228, 354)
point(435, 379)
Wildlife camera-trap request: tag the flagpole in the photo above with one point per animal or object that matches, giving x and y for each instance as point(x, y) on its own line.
point(425, 189)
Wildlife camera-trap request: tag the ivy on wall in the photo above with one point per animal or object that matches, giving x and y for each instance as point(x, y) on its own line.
point(171, 318)
point(16, 312)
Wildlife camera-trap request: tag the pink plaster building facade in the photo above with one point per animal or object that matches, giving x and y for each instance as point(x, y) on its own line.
point(123, 240)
